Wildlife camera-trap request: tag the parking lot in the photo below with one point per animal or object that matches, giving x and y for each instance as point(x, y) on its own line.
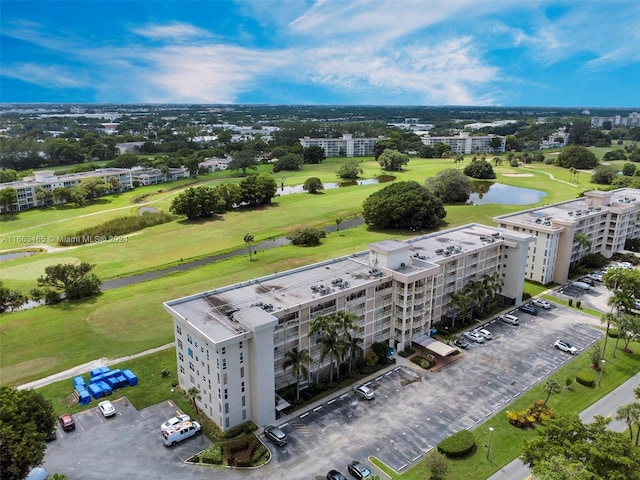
point(413, 410)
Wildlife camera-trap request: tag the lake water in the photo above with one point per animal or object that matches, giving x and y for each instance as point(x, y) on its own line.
point(12, 256)
point(492, 192)
point(328, 186)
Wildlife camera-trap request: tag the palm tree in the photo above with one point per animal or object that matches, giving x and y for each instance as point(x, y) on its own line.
point(248, 239)
point(460, 301)
point(607, 318)
point(353, 345)
point(582, 239)
point(331, 345)
point(298, 360)
point(339, 220)
point(194, 395)
point(476, 292)
point(345, 321)
point(635, 417)
point(458, 160)
point(493, 284)
point(549, 387)
point(625, 412)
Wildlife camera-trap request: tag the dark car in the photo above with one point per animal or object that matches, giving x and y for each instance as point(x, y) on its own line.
point(461, 343)
point(66, 422)
point(358, 470)
point(276, 435)
point(335, 475)
point(530, 309)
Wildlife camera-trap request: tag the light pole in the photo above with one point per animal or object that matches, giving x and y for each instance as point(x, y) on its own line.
point(601, 370)
point(489, 446)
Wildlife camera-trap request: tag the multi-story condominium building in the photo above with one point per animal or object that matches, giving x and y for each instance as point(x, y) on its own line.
point(48, 180)
point(345, 146)
point(465, 143)
point(557, 139)
point(630, 121)
point(599, 222)
point(231, 342)
point(153, 176)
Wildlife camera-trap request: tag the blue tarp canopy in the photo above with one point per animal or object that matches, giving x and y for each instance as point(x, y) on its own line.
point(130, 376)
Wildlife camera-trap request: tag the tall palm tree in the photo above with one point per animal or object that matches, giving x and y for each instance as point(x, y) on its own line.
point(582, 239)
point(298, 360)
point(248, 239)
point(625, 413)
point(331, 345)
point(194, 394)
point(345, 321)
point(322, 324)
point(339, 221)
point(458, 300)
point(353, 345)
point(608, 319)
point(550, 387)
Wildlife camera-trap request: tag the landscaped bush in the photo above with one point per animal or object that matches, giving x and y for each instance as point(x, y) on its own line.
point(538, 413)
point(407, 352)
point(586, 379)
point(423, 362)
point(613, 333)
point(244, 428)
point(458, 445)
point(307, 236)
point(212, 455)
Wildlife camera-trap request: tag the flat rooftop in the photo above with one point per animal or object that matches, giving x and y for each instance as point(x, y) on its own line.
point(216, 312)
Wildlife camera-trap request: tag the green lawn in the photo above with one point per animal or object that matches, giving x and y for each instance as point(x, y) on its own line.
point(506, 442)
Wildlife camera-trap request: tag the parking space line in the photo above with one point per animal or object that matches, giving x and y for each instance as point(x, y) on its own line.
point(317, 408)
point(344, 395)
point(331, 401)
point(304, 415)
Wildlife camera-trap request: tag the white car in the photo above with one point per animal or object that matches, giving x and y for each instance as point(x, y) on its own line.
point(565, 347)
point(485, 333)
point(538, 302)
point(107, 408)
point(174, 422)
point(474, 337)
point(364, 392)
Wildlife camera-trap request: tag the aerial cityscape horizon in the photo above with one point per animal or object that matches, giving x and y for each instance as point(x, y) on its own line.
point(537, 53)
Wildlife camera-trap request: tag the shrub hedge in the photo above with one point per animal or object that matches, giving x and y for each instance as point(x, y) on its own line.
point(586, 379)
point(423, 362)
point(458, 445)
point(613, 333)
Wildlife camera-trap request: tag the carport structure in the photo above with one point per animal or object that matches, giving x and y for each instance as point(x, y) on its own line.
point(441, 352)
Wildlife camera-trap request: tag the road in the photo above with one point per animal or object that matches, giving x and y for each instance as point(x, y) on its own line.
point(606, 407)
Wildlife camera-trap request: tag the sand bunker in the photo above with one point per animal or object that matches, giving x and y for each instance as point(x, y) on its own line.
point(517, 174)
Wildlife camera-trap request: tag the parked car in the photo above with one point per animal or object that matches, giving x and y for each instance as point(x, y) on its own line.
point(510, 319)
point(581, 285)
point(530, 309)
point(587, 280)
point(107, 408)
point(485, 333)
point(598, 277)
point(538, 302)
point(636, 304)
point(565, 347)
point(51, 436)
point(461, 343)
point(276, 435)
point(335, 475)
point(364, 392)
point(358, 470)
point(180, 433)
point(66, 422)
point(474, 337)
point(174, 422)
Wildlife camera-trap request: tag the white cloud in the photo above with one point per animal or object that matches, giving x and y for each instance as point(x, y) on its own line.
point(175, 31)
point(43, 75)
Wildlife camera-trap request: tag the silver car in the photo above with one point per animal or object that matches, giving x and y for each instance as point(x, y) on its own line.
point(364, 392)
point(474, 337)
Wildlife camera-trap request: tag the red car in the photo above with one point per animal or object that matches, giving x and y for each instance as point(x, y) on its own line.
point(67, 423)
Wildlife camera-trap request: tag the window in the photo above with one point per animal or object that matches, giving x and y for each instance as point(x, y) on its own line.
point(242, 387)
point(180, 356)
point(226, 408)
point(224, 363)
point(189, 339)
point(244, 402)
point(178, 329)
point(226, 422)
point(190, 352)
point(224, 379)
point(241, 372)
point(241, 358)
point(226, 394)
point(180, 344)
point(244, 414)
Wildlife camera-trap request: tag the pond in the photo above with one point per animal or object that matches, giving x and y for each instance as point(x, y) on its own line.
point(492, 192)
point(12, 256)
point(328, 186)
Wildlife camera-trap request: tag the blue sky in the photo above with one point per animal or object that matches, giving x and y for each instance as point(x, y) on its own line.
point(353, 52)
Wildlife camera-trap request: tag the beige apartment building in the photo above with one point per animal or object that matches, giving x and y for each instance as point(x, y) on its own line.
point(599, 222)
point(465, 143)
point(231, 342)
point(346, 146)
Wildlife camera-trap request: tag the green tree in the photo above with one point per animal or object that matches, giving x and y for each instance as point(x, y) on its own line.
point(451, 186)
point(576, 156)
point(604, 453)
point(603, 175)
point(393, 160)
point(480, 169)
point(630, 414)
point(437, 465)
point(403, 205)
point(77, 281)
point(354, 348)
point(339, 221)
point(248, 239)
point(583, 240)
point(94, 187)
point(307, 236)
point(289, 161)
point(26, 418)
point(194, 395)
point(349, 171)
point(459, 303)
point(229, 193)
point(198, 202)
point(313, 154)
point(8, 175)
point(243, 160)
point(10, 299)
point(258, 190)
point(298, 361)
point(550, 386)
point(443, 149)
point(313, 185)
point(8, 199)
point(333, 346)
point(628, 169)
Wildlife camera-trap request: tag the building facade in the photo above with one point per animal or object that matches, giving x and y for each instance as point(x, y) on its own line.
point(231, 342)
point(345, 146)
point(465, 143)
point(48, 180)
point(599, 222)
point(630, 121)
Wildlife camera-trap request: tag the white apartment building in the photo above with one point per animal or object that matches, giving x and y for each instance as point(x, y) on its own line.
point(231, 342)
point(630, 121)
point(347, 145)
point(465, 143)
point(558, 139)
point(153, 176)
point(47, 179)
point(606, 219)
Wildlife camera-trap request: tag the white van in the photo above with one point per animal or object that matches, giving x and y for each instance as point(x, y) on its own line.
point(180, 432)
point(510, 319)
point(581, 285)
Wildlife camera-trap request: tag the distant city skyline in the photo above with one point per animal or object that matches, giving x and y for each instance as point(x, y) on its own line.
point(358, 52)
